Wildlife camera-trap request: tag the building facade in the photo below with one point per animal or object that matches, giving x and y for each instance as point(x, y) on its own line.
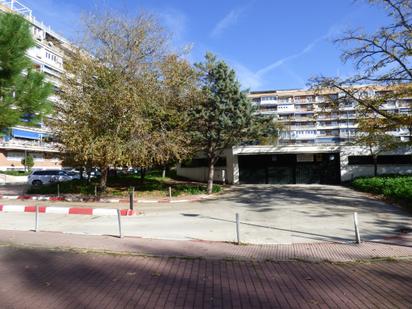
point(314, 145)
point(47, 57)
point(309, 119)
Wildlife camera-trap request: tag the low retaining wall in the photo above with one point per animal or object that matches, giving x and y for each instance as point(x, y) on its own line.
point(201, 173)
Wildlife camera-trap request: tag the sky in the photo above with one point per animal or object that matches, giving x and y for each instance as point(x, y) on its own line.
point(271, 44)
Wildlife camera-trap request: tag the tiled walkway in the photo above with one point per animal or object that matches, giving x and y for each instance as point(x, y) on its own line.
point(335, 252)
point(38, 278)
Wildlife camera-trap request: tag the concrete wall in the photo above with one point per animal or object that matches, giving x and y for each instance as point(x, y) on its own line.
point(201, 173)
point(349, 172)
point(15, 164)
point(228, 174)
point(353, 171)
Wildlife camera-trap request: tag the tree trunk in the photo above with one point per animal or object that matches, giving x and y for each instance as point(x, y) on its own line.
point(89, 173)
point(103, 178)
point(375, 165)
point(81, 173)
point(164, 172)
point(211, 173)
point(142, 174)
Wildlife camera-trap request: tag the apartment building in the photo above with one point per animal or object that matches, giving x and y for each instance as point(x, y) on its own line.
point(47, 57)
point(308, 118)
point(314, 145)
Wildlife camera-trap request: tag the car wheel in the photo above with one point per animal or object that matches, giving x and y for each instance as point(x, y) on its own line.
point(36, 183)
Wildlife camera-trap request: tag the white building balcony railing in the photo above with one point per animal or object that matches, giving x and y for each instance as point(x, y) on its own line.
point(303, 127)
point(268, 102)
point(304, 136)
point(29, 145)
point(348, 125)
point(303, 119)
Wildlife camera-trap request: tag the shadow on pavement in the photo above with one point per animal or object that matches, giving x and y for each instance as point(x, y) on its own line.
point(45, 279)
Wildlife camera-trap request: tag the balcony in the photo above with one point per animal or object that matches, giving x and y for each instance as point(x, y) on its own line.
point(327, 126)
point(29, 145)
point(302, 127)
point(300, 110)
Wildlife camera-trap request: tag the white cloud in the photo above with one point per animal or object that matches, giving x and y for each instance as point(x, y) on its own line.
point(254, 80)
point(175, 22)
point(246, 77)
point(282, 61)
point(229, 20)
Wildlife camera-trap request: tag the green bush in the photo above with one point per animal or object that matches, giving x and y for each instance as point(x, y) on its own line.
point(193, 189)
point(397, 187)
point(119, 186)
point(74, 186)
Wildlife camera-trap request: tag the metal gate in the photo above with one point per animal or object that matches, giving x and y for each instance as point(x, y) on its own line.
point(322, 168)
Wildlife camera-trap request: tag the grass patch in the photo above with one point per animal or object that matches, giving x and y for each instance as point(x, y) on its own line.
point(153, 185)
point(396, 187)
point(15, 173)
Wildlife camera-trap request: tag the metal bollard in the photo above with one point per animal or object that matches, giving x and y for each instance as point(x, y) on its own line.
point(36, 225)
point(58, 190)
point(170, 192)
point(237, 228)
point(131, 199)
point(119, 220)
point(95, 191)
point(355, 221)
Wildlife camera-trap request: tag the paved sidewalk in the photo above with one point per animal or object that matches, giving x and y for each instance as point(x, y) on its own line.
point(334, 252)
point(268, 215)
point(36, 278)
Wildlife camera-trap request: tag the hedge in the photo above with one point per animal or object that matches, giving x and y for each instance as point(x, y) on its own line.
point(397, 187)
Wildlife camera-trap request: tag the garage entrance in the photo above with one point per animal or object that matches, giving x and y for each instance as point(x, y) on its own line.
point(321, 168)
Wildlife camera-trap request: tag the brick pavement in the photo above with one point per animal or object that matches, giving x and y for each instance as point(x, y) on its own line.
point(335, 252)
point(38, 278)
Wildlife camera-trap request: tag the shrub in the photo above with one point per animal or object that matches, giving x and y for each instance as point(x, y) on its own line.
point(398, 187)
point(74, 186)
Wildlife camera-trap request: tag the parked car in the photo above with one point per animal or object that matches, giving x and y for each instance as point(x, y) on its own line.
point(74, 174)
point(38, 178)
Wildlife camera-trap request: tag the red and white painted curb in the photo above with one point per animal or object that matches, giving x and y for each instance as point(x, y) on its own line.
point(68, 210)
point(35, 198)
point(103, 200)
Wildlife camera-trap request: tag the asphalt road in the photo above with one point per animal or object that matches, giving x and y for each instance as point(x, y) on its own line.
point(269, 214)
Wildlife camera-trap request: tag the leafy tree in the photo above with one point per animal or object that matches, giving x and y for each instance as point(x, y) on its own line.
point(124, 103)
point(23, 91)
point(382, 58)
point(372, 134)
point(28, 162)
point(224, 116)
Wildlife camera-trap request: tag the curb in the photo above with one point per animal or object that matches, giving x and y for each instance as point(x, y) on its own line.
point(92, 200)
point(68, 210)
point(34, 198)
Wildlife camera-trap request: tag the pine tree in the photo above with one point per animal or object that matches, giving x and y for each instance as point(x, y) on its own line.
point(23, 91)
point(225, 116)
